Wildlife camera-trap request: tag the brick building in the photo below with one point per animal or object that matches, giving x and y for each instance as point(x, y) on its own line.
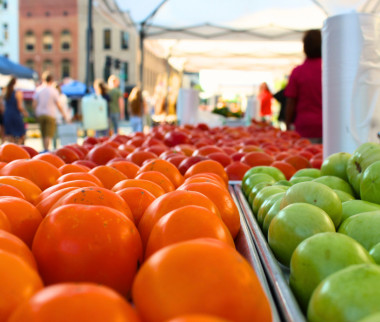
point(49, 36)
point(53, 37)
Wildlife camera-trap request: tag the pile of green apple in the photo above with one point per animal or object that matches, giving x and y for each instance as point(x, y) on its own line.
point(323, 226)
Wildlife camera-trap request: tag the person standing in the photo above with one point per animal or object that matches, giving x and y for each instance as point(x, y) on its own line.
point(116, 103)
point(265, 99)
point(136, 108)
point(304, 91)
point(14, 113)
point(46, 105)
point(101, 90)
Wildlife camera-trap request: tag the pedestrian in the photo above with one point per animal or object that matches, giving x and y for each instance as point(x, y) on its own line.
point(46, 106)
point(13, 114)
point(136, 108)
point(304, 91)
point(100, 89)
point(116, 103)
point(63, 100)
point(265, 100)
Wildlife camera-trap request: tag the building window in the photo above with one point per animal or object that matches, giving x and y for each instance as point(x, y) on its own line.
point(5, 31)
point(30, 41)
point(29, 14)
point(47, 41)
point(107, 39)
point(30, 63)
point(124, 41)
point(65, 68)
point(65, 13)
point(5, 4)
point(47, 65)
point(47, 13)
point(65, 40)
point(125, 72)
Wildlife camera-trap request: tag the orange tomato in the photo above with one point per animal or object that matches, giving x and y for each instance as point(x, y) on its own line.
point(19, 281)
point(12, 151)
point(95, 196)
point(42, 173)
point(223, 201)
point(201, 276)
point(168, 202)
point(23, 216)
point(51, 158)
point(138, 199)
point(85, 302)
point(14, 245)
point(166, 168)
point(77, 243)
point(28, 188)
point(107, 175)
point(207, 166)
point(159, 178)
point(186, 223)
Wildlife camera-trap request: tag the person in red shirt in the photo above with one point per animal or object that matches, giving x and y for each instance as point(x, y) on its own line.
point(304, 91)
point(265, 100)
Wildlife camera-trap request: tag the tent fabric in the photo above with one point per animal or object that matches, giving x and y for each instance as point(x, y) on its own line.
point(7, 67)
point(212, 34)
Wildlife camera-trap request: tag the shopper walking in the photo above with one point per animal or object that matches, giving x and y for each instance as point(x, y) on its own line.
point(100, 89)
point(14, 113)
point(46, 105)
point(116, 103)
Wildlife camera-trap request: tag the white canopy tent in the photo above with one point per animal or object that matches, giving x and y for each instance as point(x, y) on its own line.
point(240, 34)
point(266, 35)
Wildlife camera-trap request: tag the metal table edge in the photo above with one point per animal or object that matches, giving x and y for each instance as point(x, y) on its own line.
point(288, 306)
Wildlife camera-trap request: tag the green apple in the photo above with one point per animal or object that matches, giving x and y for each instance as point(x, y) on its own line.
point(335, 183)
point(370, 183)
point(253, 180)
point(354, 207)
point(292, 225)
point(272, 171)
point(308, 172)
point(272, 212)
point(375, 253)
point(361, 159)
point(371, 318)
point(264, 194)
point(363, 227)
point(256, 189)
point(283, 183)
point(266, 205)
point(348, 295)
point(294, 180)
point(316, 194)
point(336, 165)
point(320, 256)
point(344, 196)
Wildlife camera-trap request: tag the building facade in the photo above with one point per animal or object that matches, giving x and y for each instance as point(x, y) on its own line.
point(115, 42)
point(9, 29)
point(48, 36)
point(52, 36)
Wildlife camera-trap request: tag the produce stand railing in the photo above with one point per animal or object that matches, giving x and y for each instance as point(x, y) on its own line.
point(246, 247)
point(276, 274)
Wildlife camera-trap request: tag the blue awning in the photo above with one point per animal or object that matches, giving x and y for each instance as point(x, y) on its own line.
point(7, 67)
point(74, 89)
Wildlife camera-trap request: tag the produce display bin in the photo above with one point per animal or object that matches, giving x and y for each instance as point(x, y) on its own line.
point(276, 274)
point(246, 247)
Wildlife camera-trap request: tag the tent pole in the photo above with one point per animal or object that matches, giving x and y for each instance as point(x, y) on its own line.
point(89, 48)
